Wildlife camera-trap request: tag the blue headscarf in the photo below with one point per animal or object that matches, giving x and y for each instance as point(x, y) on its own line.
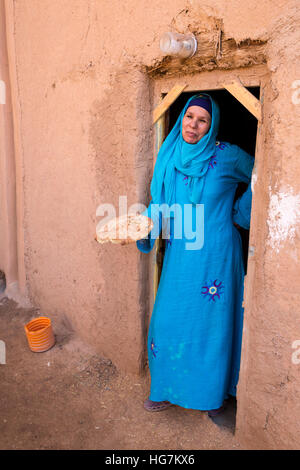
point(190, 159)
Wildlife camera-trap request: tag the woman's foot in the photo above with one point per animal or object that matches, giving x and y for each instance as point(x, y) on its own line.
point(150, 405)
point(223, 417)
point(213, 413)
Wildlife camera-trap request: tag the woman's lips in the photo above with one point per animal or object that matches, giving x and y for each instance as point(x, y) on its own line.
point(191, 134)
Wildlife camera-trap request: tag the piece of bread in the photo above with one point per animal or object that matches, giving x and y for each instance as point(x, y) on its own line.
point(125, 229)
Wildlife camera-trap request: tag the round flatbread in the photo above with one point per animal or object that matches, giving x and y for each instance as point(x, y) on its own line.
point(125, 229)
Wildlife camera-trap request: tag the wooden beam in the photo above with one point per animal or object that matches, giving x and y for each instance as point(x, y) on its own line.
point(237, 89)
point(159, 120)
point(167, 101)
point(160, 136)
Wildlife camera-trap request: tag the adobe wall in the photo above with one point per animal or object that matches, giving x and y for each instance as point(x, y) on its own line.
point(269, 382)
point(8, 226)
point(82, 80)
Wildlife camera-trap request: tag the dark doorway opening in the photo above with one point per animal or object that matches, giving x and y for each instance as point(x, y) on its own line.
point(237, 126)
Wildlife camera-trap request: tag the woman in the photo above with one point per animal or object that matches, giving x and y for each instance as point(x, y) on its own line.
point(194, 339)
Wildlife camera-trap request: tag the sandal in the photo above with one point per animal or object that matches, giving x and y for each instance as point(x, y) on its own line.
point(212, 413)
point(150, 405)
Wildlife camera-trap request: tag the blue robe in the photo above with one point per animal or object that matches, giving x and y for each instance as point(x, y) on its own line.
point(195, 332)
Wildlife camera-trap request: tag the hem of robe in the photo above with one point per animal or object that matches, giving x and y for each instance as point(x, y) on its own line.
point(185, 405)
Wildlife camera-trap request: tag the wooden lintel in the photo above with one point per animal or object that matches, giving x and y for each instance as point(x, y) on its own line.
point(237, 89)
point(167, 101)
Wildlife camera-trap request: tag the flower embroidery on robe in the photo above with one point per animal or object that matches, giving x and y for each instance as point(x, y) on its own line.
point(168, 242)
point(221, 145)
point(153, 348)
point(187, 180)
point(213, 289)
point(212, 161)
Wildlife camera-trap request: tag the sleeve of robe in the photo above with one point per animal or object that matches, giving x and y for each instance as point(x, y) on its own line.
point(145, 245)
point(242, 172)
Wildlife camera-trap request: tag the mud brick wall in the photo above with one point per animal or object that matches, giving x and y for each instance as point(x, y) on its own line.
point(82, 75)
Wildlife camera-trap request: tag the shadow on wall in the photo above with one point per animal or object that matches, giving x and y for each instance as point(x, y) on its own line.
point(2, 282)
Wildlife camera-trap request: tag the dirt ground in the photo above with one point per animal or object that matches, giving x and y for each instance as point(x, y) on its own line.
point(71, 398)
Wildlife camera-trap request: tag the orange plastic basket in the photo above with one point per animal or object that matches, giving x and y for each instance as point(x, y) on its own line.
point(39, 334)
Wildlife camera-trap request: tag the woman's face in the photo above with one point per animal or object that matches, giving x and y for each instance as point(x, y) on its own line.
point(195, 124)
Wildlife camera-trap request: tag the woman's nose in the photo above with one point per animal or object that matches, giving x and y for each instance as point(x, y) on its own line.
point(193, 123)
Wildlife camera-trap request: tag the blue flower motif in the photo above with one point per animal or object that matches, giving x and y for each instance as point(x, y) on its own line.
point(212, 162)
point(153, 348)
point(213, 289)
point(221, 145)
point(168, 242)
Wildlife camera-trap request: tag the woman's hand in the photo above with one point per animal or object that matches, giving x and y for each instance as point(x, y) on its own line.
point(125, 242)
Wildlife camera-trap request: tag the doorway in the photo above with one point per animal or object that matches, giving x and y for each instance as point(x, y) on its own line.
point(237, 126)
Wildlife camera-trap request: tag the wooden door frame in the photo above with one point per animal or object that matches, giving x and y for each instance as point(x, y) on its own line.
point(167, 90)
